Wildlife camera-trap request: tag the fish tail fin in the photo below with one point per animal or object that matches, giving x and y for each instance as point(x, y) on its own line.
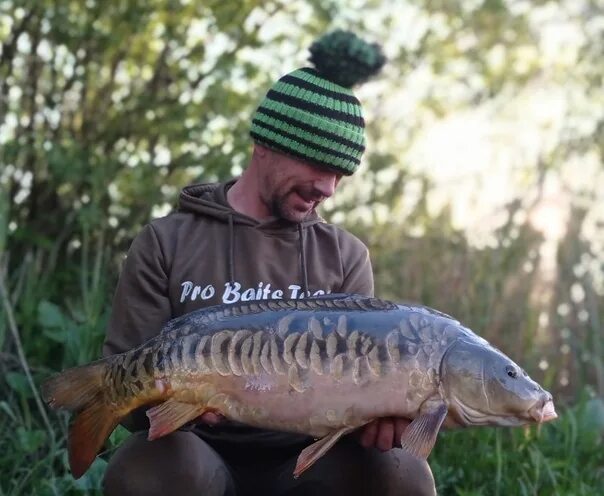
point(74, 388)
point(87, 434)
point(82, 390)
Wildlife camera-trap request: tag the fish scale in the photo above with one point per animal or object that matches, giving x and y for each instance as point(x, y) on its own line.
point(320, 366)
point(260, 353)
point(342, 353)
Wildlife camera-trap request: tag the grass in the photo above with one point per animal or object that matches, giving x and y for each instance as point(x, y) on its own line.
point(33, 458)
point(565, 457)
point(32, 464)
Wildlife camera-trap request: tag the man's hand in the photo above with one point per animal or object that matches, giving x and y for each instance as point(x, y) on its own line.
point(209, 418)
point(383, 433)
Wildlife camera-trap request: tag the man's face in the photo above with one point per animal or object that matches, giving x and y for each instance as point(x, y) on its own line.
point(292, 189)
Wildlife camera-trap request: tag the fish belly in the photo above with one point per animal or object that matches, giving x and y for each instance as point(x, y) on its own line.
point(317, 405)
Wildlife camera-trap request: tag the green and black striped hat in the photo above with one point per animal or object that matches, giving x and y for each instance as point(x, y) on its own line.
point(311, 113)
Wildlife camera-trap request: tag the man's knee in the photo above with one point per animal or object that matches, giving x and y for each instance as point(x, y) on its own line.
point(180, 463)
point(400, 473)
point(350, 469)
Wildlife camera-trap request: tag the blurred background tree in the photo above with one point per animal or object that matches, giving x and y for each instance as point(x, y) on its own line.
point(480, 193)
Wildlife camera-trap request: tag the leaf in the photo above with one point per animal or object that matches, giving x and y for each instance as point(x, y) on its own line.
point(18, 382)
point(2, 333)
point(30, 441)
point(93, 476)
point(592, 418)
point(118, 436)
point(50, 315)
point(4, 406)
point(58, 335)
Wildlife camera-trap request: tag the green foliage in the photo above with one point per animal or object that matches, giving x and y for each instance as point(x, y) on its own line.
point(562, 458)
point(108, 108)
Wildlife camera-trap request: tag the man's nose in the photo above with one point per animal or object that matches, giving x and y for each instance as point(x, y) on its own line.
point(326, 184)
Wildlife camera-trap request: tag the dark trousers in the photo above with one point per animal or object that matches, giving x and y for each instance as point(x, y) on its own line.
point(183, 464)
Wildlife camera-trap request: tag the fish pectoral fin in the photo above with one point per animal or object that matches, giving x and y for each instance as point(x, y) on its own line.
point(316, 450)
point(419, 437)
point(171, 415)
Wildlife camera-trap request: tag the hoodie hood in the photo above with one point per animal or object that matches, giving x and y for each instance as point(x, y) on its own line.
point(210, 199)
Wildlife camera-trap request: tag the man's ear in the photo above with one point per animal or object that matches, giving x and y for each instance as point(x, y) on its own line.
point(260, 150)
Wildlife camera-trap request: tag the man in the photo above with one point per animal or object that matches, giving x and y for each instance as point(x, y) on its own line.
point(259, 237)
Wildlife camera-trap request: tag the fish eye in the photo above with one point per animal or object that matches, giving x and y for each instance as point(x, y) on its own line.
point(511, 371)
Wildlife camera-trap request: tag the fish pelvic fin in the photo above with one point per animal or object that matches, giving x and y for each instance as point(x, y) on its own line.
point(309, 455)
point(419, 437)
point(82, 390)
point(170, 416)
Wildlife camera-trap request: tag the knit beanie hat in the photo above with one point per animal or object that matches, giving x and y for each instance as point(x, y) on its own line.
point(311, 113)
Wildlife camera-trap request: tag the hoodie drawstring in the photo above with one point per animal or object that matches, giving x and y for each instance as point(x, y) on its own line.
point(231, 250)
point(231, 261)
point(303, 260)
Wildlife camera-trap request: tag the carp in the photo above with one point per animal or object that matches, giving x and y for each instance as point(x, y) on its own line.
point(321, 366)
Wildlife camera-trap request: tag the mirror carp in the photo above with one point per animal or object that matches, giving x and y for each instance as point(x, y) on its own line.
point(322, 366)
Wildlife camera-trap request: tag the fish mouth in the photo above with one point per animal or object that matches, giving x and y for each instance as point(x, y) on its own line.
point(544, 411)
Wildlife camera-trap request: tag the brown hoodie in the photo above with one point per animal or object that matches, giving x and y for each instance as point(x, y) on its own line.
point(207, 254)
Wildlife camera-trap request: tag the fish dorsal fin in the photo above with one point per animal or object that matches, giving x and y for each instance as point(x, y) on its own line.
point(330, 302)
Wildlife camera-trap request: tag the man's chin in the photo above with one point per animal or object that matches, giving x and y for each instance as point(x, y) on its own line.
point(298, 215)
point(288, 211)
point(297, 218)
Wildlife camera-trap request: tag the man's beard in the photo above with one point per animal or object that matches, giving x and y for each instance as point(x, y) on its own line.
point(279, 209)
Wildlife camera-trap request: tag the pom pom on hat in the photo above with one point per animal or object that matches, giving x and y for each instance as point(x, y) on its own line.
point(346, 59)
